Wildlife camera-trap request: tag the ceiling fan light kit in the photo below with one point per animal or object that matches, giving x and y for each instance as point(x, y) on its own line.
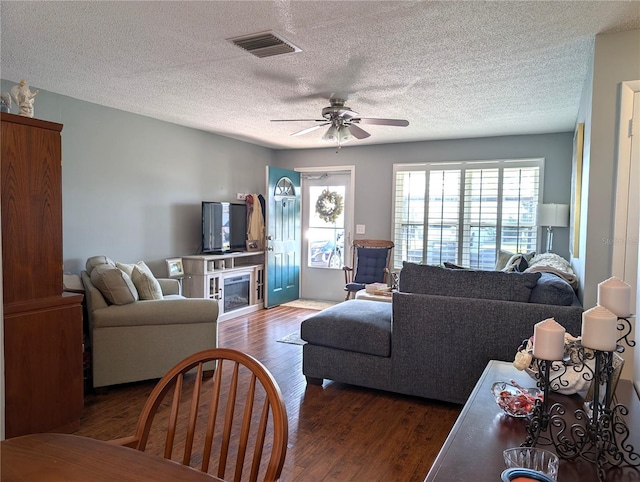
point(339, 134)
point(342, 123)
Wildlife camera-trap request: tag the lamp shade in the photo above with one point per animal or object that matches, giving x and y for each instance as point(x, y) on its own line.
point(344, 135)
point(555, 215)
point(331, 134)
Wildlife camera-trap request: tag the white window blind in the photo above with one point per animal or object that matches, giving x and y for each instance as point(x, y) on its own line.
point(470, 211)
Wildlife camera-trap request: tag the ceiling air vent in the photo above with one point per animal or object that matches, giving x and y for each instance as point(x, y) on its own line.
point(264, 44)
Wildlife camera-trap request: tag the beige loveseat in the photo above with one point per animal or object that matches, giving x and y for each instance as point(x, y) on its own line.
point(133, 338)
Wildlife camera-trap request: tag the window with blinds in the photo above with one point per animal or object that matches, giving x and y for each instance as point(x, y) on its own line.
point(464, 212)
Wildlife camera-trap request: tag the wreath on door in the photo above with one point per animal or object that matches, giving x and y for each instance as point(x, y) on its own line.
point(329, 206)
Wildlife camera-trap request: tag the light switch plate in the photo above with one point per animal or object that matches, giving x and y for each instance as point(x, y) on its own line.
point(360, 229)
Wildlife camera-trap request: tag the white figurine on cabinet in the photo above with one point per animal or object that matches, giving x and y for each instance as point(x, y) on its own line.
point(23, 96)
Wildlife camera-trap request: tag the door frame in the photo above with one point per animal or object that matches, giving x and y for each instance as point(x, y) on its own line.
point(349, 207)
point(624, 260)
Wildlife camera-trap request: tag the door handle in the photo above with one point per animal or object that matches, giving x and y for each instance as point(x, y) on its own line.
point(269, 248)
point(269, 237)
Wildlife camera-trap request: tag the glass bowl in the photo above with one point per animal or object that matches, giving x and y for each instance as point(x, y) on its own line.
point(513, 475)
point(514, 400)
point(532, 458)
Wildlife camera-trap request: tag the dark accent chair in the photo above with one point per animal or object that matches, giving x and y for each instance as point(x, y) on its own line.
point(370, 264)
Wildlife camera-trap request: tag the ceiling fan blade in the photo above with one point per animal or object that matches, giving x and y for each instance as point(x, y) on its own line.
point(310, 129)
point(357, 132)
point(382, 122)
point(298, 120)
point(348, 114)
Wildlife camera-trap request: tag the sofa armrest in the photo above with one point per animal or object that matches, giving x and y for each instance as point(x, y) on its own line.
point(157, 312)
point(169, 286)
point(441, 344)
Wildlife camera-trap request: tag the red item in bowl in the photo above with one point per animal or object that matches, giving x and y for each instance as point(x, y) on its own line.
point(515, 401)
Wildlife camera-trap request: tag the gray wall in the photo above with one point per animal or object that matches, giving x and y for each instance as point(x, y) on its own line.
point(374, 171)
point(132, 185)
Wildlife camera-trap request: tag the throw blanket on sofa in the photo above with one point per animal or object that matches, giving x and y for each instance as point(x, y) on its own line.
point(552, 263)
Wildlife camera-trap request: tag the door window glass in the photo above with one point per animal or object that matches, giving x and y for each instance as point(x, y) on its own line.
point(326, 227)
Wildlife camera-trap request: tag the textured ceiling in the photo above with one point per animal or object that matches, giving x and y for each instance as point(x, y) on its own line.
point(453, 69)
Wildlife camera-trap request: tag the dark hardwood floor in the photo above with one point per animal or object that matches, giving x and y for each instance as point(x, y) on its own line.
point(337, 432)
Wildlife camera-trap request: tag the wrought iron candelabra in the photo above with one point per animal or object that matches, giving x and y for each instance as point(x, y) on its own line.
point(598, 432)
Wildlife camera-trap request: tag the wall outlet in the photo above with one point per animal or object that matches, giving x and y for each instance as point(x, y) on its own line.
point(360, 229)
point(241, 196)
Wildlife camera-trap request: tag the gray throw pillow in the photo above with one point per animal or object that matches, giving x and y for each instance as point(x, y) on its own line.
point(552, 290)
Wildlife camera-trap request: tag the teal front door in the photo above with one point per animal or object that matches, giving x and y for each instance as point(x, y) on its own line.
point(283, 236)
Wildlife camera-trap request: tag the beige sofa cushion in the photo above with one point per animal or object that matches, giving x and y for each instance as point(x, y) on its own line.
point(147, 285)
point(97, 261)
point(114, 284)
point(127, 268)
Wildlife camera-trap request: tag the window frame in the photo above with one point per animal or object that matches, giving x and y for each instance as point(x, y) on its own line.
point(461, 167)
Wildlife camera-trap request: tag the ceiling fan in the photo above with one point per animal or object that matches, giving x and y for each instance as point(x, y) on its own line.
point(342, 123)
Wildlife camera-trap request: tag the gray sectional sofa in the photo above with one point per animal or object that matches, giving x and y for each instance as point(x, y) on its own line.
point(436, 337)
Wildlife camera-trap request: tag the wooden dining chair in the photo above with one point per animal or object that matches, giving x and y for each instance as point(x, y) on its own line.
point(370, 262)
point(236, 416)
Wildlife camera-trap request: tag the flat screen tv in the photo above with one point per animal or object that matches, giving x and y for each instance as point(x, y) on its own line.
point(224, 227)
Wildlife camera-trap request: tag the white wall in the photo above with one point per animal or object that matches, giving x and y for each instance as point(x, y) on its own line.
point(616, 59)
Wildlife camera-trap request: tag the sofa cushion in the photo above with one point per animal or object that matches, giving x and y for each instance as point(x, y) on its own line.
point(552, 290)
point(358, 325)
point(449, 265)
point(145, 282)
point(503, 258)
point(127, 268)
point(461, 283)
point(94, 261)
point(371, 265)
point(517, 263)
point(114, 284)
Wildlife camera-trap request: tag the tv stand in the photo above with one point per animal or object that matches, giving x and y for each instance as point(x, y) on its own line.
point(235, 280)
point(221, 253)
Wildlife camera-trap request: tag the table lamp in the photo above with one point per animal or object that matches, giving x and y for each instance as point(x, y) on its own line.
point(552, 216)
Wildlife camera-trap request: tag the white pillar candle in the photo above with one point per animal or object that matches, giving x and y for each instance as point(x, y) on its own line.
point(548, 340)
point(599, 329)
point(615, 295)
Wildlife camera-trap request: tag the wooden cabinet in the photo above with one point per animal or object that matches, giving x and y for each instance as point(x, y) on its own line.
point(236, 280)
point(42, 326)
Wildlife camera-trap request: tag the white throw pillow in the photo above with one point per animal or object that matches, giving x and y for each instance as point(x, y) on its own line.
point(503, 257)
point(145, 282)
point(114, 284)
point(127, 268)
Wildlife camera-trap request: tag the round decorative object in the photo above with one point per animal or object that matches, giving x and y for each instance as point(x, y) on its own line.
point(329, 206)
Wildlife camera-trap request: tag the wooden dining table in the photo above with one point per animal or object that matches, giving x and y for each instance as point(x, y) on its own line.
point(56, 457)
